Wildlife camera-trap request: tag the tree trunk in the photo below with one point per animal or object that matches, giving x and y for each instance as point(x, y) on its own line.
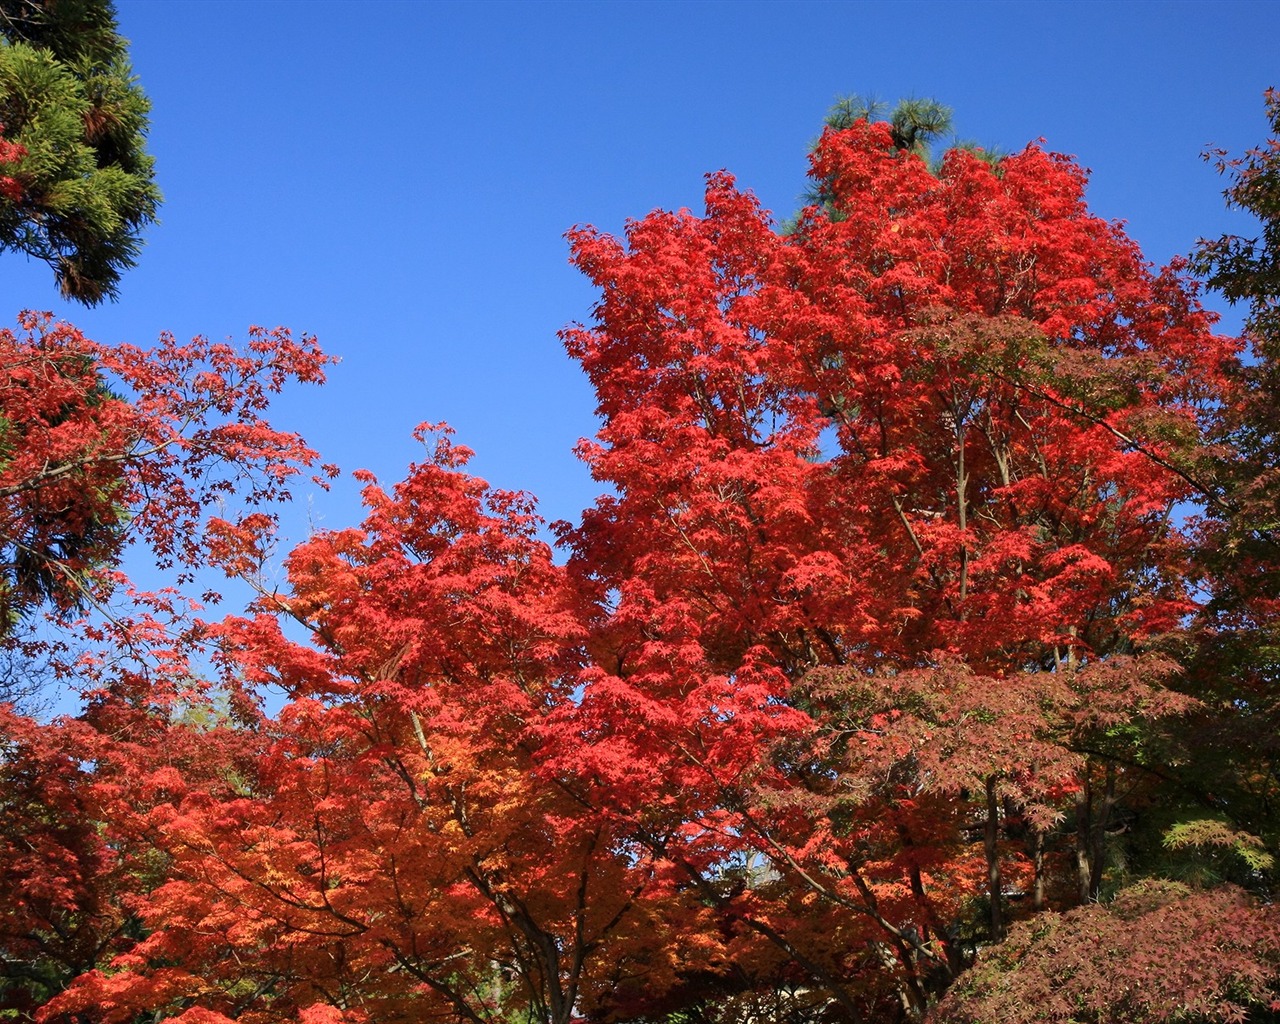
point(1037, 852)
point(993, 861)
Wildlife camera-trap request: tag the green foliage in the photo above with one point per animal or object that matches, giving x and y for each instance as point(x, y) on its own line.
point(915, 124)
point(1248, 269)
point(1210, 833)
point(80, 186)
point(1235, 667)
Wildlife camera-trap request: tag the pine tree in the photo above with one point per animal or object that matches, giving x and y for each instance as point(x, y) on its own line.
point(77, 186)
point(915, 124)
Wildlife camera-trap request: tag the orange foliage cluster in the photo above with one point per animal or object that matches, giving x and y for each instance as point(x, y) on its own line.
point(875, 645)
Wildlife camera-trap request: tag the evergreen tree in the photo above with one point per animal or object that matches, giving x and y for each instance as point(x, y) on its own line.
point(1238, 658)
point(914, 126)
point(915, 123)
point(77, 186)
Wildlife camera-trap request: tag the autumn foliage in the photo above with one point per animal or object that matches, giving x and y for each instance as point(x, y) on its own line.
point(883, 665)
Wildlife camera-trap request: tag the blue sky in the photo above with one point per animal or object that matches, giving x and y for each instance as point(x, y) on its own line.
point(396, 178)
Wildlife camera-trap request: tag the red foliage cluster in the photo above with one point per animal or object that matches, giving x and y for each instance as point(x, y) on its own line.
point(10, 153)
point(85, 470)
point(1158, 954)
point(871, 650)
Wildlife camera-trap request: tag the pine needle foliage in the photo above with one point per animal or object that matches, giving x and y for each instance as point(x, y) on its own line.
point(77, 187)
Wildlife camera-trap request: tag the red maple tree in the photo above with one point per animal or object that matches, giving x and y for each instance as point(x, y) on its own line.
point(101, 446)
point(945, 421)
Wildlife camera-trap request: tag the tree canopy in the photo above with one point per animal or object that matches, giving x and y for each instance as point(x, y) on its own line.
point(887, 681)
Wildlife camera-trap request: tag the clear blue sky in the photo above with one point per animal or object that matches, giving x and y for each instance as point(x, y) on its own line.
point(396, 178)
